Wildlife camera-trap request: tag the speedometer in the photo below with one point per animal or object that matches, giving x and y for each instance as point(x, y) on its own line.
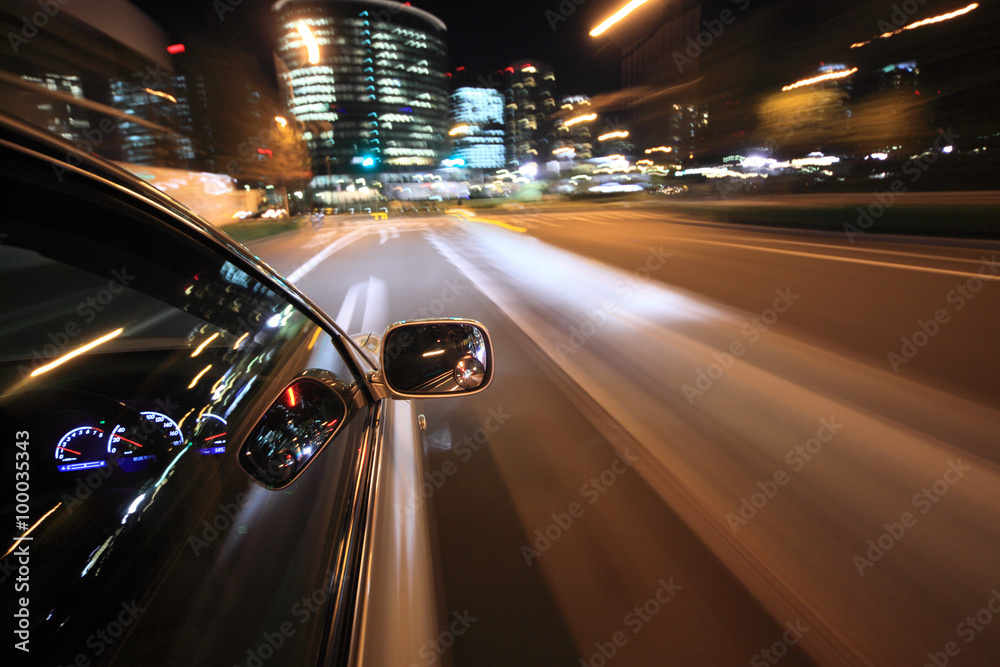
point(143, 439)
point(210, 434)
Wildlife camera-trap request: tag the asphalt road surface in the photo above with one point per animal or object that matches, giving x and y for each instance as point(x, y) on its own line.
point(705, 444)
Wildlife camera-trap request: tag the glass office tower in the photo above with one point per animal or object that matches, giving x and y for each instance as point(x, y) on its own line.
point(477, 127)
point(367, 80)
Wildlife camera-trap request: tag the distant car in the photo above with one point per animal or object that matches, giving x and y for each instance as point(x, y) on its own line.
point(191, 449)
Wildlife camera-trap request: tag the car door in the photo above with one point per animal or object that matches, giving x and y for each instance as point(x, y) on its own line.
point(139, 354)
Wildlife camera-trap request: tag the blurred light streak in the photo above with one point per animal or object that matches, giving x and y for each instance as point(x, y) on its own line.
point(817, 79)
point(204, 344)
point(198, 376)
point(311, 44)
point(921, 23)
point(613, 135)
point(17, 540)
point(458, 129)
point(161, 94)
point(77, 352)
point(616, 17)
point(580, 119)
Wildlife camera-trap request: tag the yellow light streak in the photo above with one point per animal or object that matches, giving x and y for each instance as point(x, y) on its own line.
point(458, 129)
point(311, 44)
point(921, 23)
point(17, 540)
point(829, 76)
point(160, 93)
point(617, 16)
point(580, 119)
point(613, 135)
point(198, 376)
point(204, 344)
point(77, 352)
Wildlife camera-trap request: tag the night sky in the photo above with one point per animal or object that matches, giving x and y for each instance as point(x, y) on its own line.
point(483, 35)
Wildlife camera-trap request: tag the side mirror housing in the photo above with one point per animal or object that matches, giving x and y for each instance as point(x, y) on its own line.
point(437, 357)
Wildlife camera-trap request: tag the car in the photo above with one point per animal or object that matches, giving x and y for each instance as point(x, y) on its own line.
point(198, 464)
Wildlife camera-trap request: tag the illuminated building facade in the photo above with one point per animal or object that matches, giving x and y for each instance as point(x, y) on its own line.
point(478, 127)
point(367, 80)
point(529, 102)
point(574, 140)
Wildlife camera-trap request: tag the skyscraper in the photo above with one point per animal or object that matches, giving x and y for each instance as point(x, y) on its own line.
point(477, 127)
point(529, 96)
point(367, 78)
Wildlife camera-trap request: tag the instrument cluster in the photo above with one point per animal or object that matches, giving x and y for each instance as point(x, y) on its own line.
point(133, 440)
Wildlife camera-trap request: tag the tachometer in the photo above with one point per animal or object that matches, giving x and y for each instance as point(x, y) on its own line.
point(80, 449)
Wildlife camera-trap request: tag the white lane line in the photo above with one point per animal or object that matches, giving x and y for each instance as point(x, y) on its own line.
point(849, 260)
point(900, 253)
point(313, 262)
point(346, 313)
point(376, 306)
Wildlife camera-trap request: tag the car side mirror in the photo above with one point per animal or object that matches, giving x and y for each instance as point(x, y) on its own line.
point(445, 357)
point(294, 429)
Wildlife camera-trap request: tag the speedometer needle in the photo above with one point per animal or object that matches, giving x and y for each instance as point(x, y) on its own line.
point(131, 442)
point(67, 449)
point(213, 437)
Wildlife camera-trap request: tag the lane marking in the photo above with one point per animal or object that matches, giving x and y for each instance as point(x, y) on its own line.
point(346, 313)
point(849, 260)
point(312, 263)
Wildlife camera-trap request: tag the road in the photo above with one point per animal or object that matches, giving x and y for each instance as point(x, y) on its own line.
point(704, 444)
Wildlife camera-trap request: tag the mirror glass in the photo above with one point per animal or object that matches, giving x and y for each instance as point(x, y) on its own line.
point(436, 358)
point(292, 432)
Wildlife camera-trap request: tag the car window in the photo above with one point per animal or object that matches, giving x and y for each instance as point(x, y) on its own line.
point(135, 360)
